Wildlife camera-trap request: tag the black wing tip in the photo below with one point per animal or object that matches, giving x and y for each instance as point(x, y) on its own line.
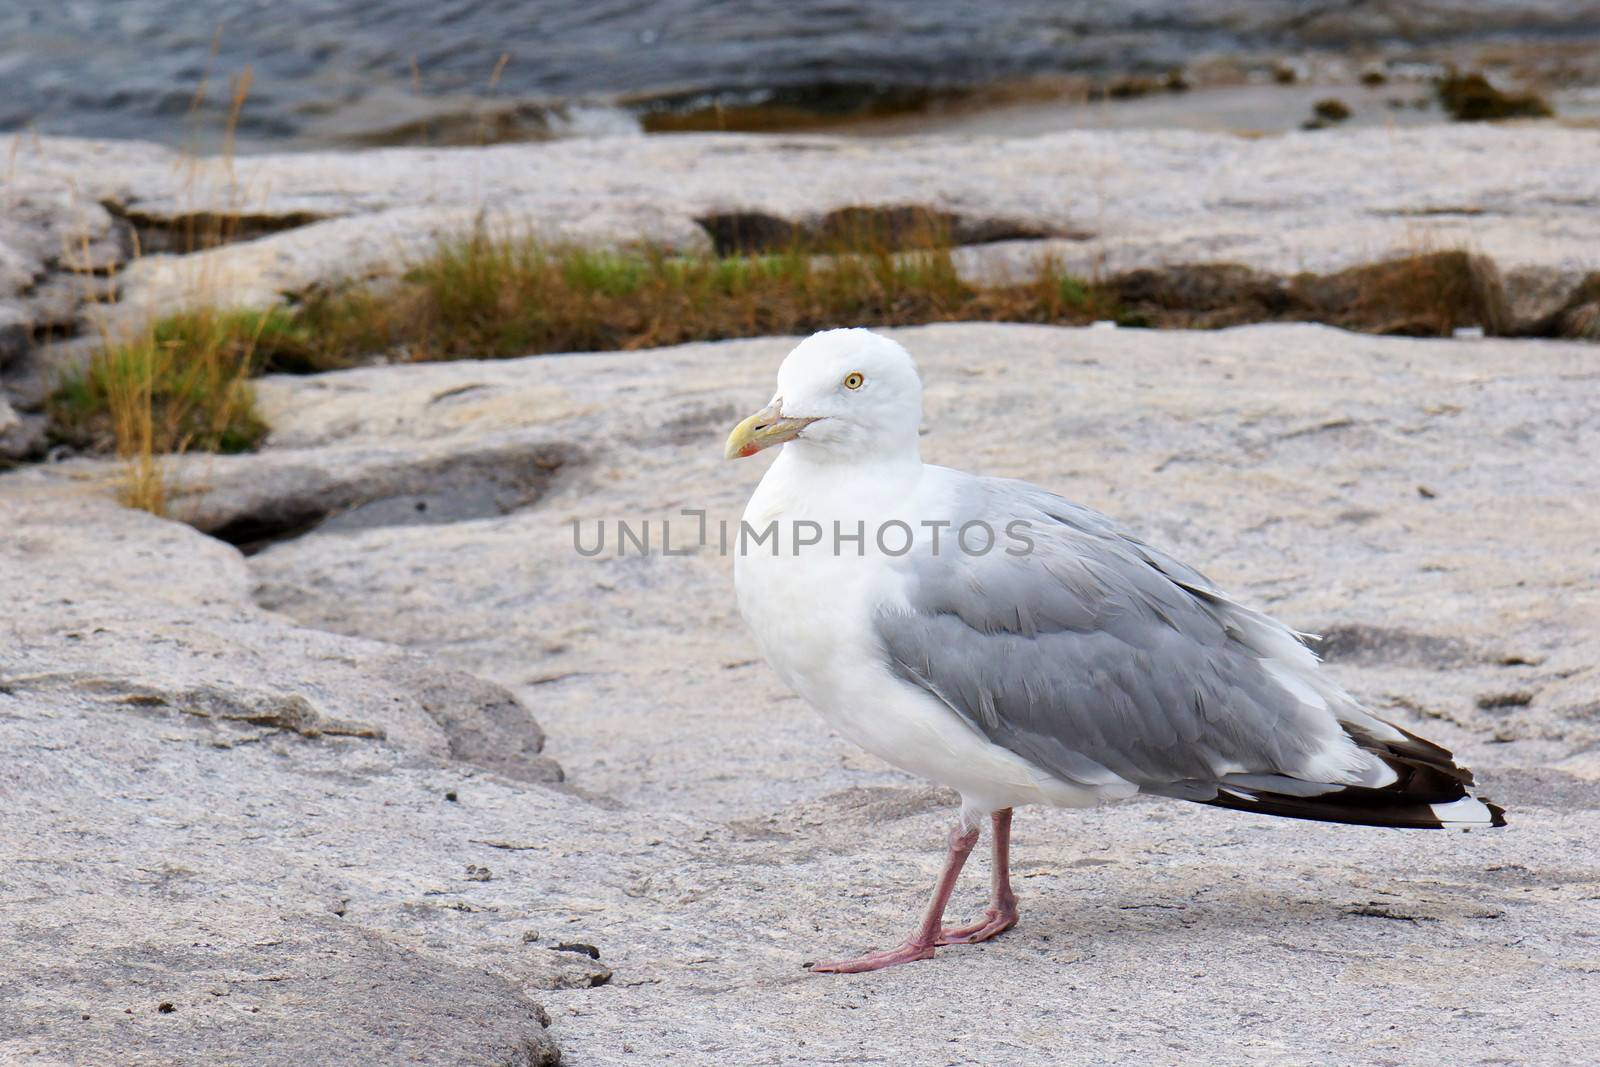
point(1497, 814)
point(1357, 806)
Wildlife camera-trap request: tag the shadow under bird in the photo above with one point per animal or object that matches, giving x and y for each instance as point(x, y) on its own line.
point(1066, 663)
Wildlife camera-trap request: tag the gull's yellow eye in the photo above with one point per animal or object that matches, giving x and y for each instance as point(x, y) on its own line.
point(853, 380)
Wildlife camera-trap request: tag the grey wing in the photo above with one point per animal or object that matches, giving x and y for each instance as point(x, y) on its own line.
point(1093, 655)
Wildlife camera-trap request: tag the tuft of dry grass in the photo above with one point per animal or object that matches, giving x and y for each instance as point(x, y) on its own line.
point(184, 383)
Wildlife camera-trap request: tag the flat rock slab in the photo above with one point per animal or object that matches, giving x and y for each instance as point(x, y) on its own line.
point(1419, 503)
point(1117, 200)
point(171, 755)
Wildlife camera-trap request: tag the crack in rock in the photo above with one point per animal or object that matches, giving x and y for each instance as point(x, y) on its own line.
point(895, 228)
point(290, 712)
point(294, 499)
point(183, 232)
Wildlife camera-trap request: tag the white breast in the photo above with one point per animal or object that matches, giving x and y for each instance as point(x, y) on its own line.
point(811, 616)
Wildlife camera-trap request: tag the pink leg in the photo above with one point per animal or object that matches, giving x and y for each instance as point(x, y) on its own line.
point(1001, 915)
point(919, 946)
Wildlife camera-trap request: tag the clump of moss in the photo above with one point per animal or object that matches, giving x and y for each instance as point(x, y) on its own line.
point(1197, 296)
point(1470, 98)
point(1579, 317)
point(1430, 294)
point(1130, 88)
point(795, 108)
point(1582, 323)
point(1331, 110)
point(1134, 86)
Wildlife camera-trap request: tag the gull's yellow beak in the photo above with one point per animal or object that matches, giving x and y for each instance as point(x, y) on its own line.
point(765, 428)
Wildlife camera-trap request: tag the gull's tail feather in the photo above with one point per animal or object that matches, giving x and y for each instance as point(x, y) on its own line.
point(1430, 791)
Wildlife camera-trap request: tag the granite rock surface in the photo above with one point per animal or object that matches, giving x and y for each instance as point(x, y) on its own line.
point(237, 785)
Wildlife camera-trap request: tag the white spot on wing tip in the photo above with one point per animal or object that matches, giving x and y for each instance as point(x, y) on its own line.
point(1469, 811)
point(1386, 776)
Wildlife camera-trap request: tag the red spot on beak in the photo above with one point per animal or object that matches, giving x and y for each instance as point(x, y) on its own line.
point(747, 451)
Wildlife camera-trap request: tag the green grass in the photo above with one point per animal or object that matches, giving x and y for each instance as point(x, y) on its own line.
point(184, 384)
point(481, 296)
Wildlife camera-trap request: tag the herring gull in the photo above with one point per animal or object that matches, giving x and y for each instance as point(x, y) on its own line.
point(1022, 649)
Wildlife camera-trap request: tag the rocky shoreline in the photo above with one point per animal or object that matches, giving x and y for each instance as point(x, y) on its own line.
point(100, 236)
point(295, 803)
point(1103, 201)
point(354, 756)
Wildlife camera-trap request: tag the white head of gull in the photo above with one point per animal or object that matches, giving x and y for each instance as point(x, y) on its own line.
point(1018, 648)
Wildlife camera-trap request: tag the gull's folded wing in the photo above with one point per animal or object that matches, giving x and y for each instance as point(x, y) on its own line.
point(1093, 655)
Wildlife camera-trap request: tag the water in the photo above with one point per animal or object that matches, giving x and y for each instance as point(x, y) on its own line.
point(354, 71)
